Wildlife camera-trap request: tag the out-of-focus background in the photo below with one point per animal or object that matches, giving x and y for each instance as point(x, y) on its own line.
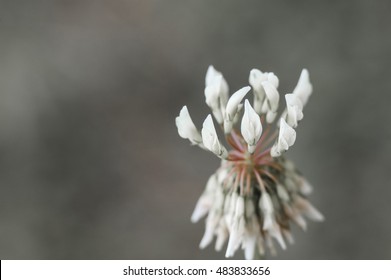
point(91, 166)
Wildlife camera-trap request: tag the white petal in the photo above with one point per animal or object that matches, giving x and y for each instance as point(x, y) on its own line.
point(222, 235)
point(286, 138)
point(256, 78)
point(233, 107)
point(216, 93)
point(221, 174)
point(211, 223)
point(294, 110)
point(237, 229)
point(282, 193)
point(213, 219)
point(211, 74)
point(273, 79)
point(210, 139)
point(270, 245)
point(205, 202)
point(266, 206)
point(186, 127)
point(304, 186)
point(272, 95)
point(275, 232)
point(288, 236)
point(251, 126)
point(303, 88)
point(231, 207)
point(252, 232)
point(250, 243)
point(213, 93)
point(234, 101)
point(299, 220)
point(287, 133)
point(309, 210)
point(295, 216)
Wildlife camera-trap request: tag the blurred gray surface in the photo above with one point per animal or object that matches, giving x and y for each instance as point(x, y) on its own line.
point(91, 166)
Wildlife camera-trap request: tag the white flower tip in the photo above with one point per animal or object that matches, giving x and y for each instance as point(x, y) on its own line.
point(288, 133)
point(270, 89)
point(303, 88)
point(255, 78)
point(251, 126)
point(270, 104)
point(211, 73)
point(250, 244)
point(305, 187)
point(273, 79)
point(299, 220)
point(210, 139)
point(201, 209)
point(294, 109)
point(276, 233)
point(186, 127)
point(204, 243)
point(234, 101)
point(286, 138)
point(195, 217)
point(288, 236)
point(312, 213)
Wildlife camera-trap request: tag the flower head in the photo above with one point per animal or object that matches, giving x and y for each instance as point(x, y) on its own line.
point(255, 196)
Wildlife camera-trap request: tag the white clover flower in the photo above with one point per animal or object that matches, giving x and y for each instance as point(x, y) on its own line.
point(255, 196)
point(251, 127)
point(186, 127)
point(210, 139)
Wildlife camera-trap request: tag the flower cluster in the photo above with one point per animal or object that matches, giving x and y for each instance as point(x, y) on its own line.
point(255, 195)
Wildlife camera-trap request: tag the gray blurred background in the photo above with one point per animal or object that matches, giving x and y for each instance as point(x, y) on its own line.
point(91, 166)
